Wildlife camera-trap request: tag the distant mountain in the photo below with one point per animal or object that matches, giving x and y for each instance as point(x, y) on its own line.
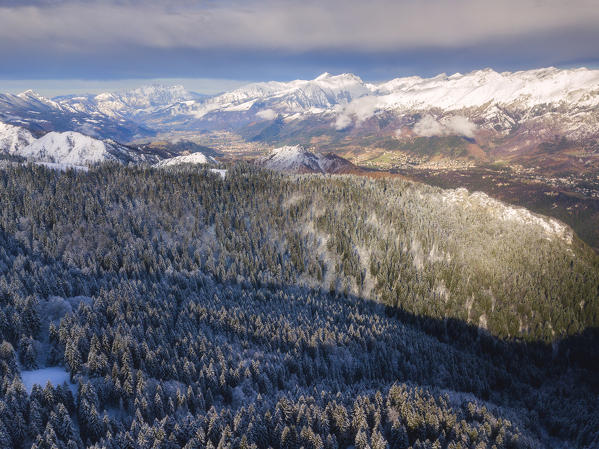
point(297, 159)
point(493, 100)
point(40, 115)
point(72, 148)
point(135, 104)
point(264, 101)
point(194, 158)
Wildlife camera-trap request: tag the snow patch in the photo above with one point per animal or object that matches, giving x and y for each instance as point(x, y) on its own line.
point(62, 167)
point(219, 171)
point(194, 158)
point(56, 375)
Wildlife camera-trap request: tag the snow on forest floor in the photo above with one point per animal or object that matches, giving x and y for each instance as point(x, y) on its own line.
point(62, 166)
point(219, 171)
point(56, 375)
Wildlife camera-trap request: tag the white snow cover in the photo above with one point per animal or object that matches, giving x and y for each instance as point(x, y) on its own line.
point(481, 88)
point(550, 226)
point(67, 148)
point(131, 102)
point(477, 88)
point(219, 171)
point(194, 158)
point(350, 98)
point(56, 375)
point(296, 158)
point(292, 158)
point(311, 96)
point(14, 138)
point(62, 167)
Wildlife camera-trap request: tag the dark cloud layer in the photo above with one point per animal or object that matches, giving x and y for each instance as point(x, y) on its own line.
point(285, 39)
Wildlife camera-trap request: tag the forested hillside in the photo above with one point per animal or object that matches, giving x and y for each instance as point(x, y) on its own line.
point(310, 311)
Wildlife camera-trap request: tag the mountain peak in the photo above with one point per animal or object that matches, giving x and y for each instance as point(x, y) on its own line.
point(298, 159)
point(323, 76)
point(193, 158)
point(30, 93)
point(344, 77)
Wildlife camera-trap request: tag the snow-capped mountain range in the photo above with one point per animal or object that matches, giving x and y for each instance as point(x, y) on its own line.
point(298, 159)
point(480, 100)
point(118, 116)
point(508, 113)
point(347, 96)
point(129, 104)
point(488, 99)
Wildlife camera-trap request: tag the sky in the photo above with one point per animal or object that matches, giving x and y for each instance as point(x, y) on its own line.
point(76, 46)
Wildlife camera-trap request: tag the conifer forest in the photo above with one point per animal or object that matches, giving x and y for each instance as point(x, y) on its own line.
point(267, 310)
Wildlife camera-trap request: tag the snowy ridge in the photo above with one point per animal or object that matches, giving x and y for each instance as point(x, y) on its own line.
point(194, 158)
point(298, 159)
point(299, 96)
point(73, 149)
point(529, 88)
point(292, 158)
point(347, 95)
point(484, 96)
point(551, 227)
point(74, 113)
point(67, 148)
point(14, 138)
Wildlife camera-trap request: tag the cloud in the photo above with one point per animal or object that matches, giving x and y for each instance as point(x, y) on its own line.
point(267, 114)
point(459, 124)
point(428, 126)
point(360, 109)
point(342, 121)
point(73, 32)
point(380, 25)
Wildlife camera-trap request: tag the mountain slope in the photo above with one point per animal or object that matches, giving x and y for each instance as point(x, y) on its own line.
point(40, 115)
point(73, 148)
point(133, 104)
point(347, 97)
point(14, 138)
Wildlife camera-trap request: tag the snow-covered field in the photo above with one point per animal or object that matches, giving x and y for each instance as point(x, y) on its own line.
point(56, 375)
